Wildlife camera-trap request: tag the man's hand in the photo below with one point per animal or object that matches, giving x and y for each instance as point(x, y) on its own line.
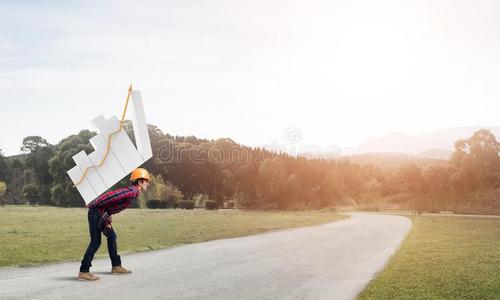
point(104, 221)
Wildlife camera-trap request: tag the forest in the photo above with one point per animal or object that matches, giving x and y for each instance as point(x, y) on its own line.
point(225, 174)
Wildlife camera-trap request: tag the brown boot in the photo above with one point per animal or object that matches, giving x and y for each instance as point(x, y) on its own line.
point(87, 276)
point(120, 270)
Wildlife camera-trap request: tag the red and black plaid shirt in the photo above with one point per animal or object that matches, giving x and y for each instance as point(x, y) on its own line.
point(115, 201)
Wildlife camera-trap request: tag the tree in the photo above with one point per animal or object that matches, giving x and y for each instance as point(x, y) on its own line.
point(173, 193)
point(410, 175)
point(333, 188)
point(482, 147)
point(57, 195)
point(31, 193)
point(161, 191)
point(39, 152)
point(3, 191)
point(31, 144)
point(4, 168)
point(62, 191)
point(478, 161)
point(228, 183)
point(294, 193)
point(16, 164)
point(271, 181)
point(436, 186)
point(16, 181)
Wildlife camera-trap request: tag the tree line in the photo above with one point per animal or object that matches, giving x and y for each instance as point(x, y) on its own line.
point(223, 171)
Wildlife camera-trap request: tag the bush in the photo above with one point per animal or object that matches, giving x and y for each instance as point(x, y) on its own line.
point(211, 204)
point(31, 193)
point(185, 204)
point(199, 200)
point(167, 193)
point(155, 203)
point(3, 191)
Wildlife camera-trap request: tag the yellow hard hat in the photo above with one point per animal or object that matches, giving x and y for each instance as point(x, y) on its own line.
point(139, 173)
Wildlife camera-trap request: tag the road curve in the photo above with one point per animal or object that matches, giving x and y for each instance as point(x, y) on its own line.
point(329, 261)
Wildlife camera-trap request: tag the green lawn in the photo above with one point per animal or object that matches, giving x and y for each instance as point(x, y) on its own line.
point(33, 235)
point(443, 257)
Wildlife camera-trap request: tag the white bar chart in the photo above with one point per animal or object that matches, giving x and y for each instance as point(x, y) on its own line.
point(98, 171)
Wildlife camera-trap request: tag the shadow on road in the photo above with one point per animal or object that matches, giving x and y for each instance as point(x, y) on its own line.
point(66, 278)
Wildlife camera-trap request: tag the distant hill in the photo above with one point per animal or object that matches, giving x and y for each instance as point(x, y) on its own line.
point(393, 160)
point(436, 144)
point(436, 154)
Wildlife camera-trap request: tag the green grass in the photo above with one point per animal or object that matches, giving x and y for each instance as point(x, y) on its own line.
point(443, 257)
point(34, 235)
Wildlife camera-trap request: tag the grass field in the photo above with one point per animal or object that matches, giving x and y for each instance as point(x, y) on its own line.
point(33, 235)
point(443, 257)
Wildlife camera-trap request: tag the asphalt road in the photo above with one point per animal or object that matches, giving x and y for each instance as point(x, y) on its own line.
point(331, 261)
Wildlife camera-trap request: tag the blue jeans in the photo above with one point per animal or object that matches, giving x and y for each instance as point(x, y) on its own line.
point(95, 242)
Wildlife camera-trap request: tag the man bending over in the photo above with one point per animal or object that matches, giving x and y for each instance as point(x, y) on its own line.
point(99, 216)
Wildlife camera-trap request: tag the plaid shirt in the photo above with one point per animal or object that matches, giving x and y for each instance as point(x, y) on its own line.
point(115, 201)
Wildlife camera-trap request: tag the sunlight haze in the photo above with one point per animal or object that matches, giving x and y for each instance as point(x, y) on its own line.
point(341, 72)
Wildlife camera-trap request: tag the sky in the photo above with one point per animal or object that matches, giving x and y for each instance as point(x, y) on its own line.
point(297, 73)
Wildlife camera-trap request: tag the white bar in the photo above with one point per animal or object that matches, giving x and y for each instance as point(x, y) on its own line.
point(140, 127)
point(122, 156)
point(103, 170)
point(110, 163)
point(127, 144)
point(93, 177)
point(84, 188)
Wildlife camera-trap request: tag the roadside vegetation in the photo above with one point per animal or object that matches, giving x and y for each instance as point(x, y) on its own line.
point(443, 257)
point(187, 168)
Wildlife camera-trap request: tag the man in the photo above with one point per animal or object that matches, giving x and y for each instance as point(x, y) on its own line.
point(99, 216)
